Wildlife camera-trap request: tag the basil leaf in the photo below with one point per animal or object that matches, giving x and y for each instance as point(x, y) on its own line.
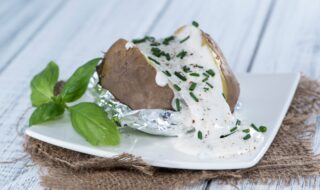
point(77, 84)
point(46, 112)
point(90, 121)
point(42, 84)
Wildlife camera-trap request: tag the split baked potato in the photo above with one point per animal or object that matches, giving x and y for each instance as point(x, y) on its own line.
point(129, 75)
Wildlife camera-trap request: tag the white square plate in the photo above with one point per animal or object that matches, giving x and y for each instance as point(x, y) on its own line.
point(265, 100)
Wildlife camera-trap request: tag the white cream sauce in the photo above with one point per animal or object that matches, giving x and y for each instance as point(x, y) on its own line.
point(161, 79)
point(210, 113)
point(129, 45)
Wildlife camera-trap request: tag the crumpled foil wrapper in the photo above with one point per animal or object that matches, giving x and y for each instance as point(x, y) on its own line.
point(152, 121)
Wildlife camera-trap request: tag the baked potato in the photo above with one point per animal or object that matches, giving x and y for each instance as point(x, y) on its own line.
point(129, 73)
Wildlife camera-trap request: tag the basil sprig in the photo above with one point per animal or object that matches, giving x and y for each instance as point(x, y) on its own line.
point(88, 119)
point(43, 83)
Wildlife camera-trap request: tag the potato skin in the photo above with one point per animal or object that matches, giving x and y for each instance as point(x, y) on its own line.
point(128, 75)
point(232, 84)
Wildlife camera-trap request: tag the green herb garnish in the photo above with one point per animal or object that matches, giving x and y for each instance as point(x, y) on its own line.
point(248, 136)
point(205, 79)
point(200, 135)
point(138, 41)
point(195, 24)
point(209, 85)
point(178, 105)
point(180, 76)
point(246, 130)
point(255, 127)
point(42, 85)
point(194, 74)
point(156, 52)
point(167, 40)
point(167, 73)
point(192, 86)
point(210, 72)
point(206, 89)
point(176, 87)
point(263, 129)
point(224, 136)
point(233, 129)
point(194, 97)
point(238, 122)
point(88, 119)
point(150, 38)
point(167, 55)
point(155, 61)
point(205, 74)
point(155, 44)
point(182, 54)
point(184, 39)
point(199, 66)
point(186, 69)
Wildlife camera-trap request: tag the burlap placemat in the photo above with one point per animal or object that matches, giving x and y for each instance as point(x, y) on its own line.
point(289, 157)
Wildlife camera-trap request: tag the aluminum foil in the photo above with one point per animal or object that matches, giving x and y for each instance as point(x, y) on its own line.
point(152, 121)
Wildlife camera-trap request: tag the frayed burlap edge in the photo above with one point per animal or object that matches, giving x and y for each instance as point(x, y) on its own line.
point(290, 157)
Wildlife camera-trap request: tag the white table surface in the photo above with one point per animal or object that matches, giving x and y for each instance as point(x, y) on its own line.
point(265, 36)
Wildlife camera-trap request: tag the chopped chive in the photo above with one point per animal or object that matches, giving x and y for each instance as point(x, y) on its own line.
point(181, 54)
point(156, 52)
point(195, 24)
point(167, 73)
point(150, 38)
point(178, 106)
point(155, 44)
point(200, 135)
point(205, 74)
point(209, 85)
point(238, 122)
point(255, 127)
point(224, 136)
point(138, 41)
point(205, 79)
point(248, 136)
point(199, 66)
point(210, 72)
point(186, 69)
point(194, 74)
point(233, 129)
point(246, 130)
point(192, 86)
point(180, 76)
point(206, 89)
point(154, 60)
point(176, 87)
point(167, 55)
point(263, 129)
point(167, 40)
point(194, 97)
point(184, 39)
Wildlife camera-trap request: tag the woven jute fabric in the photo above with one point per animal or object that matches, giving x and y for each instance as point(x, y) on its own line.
point(289, 157)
